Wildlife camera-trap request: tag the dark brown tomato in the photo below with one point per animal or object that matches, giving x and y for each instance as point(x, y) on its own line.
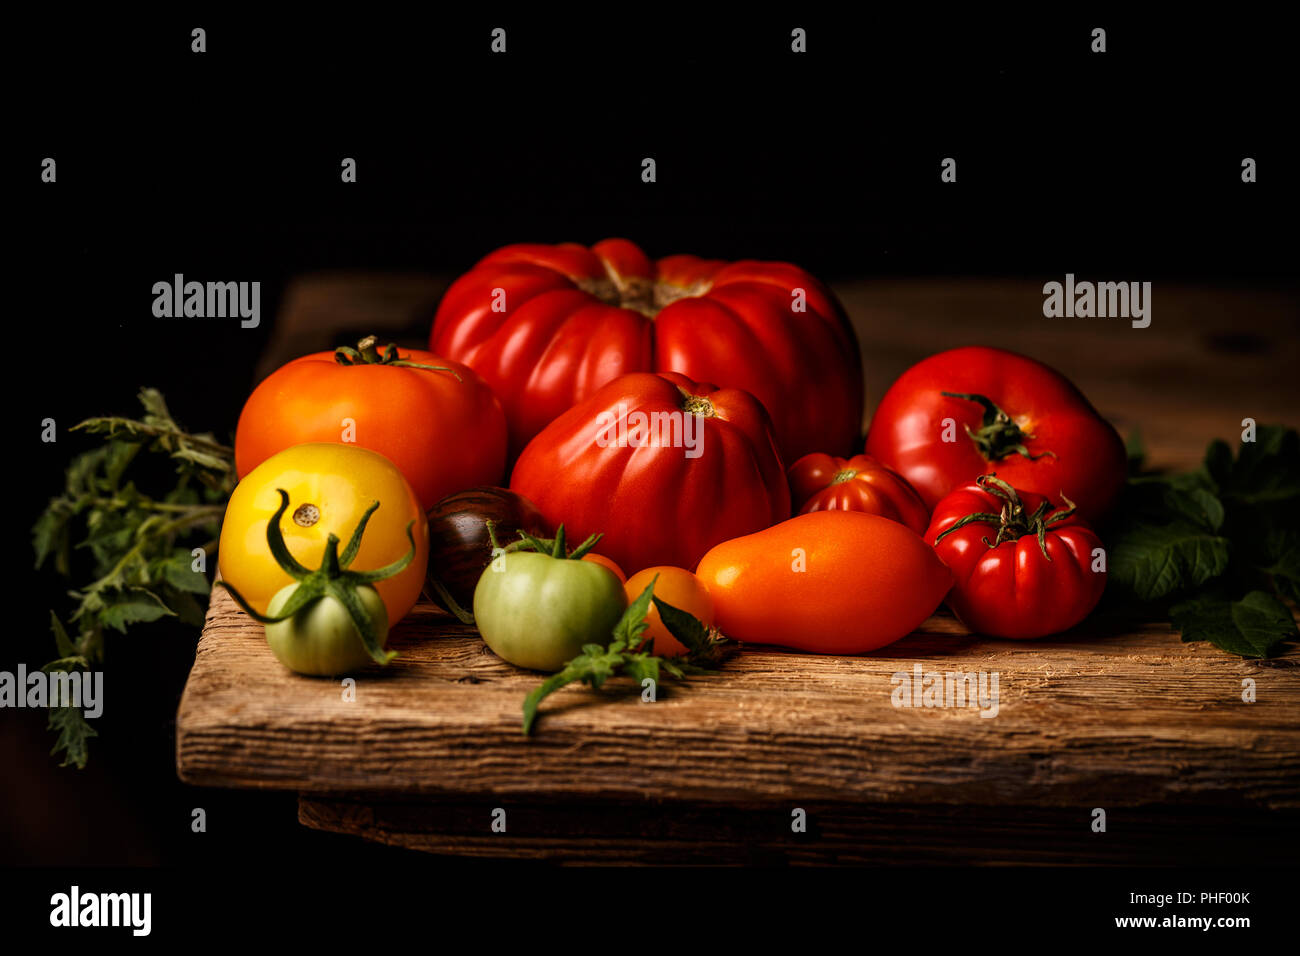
point(459, 545)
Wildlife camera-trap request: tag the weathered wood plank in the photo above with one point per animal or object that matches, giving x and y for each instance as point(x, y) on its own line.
point(1112, 718)
point(666, 832)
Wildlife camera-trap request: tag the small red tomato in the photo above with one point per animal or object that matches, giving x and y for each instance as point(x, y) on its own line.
point(1023, 568)
point(821, 482)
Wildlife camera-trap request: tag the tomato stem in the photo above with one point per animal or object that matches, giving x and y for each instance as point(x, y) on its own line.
point(1013, 523)
point(696, 404)
point(461, 614)
point(367, 353)
point(553, 547)
point(998, 435)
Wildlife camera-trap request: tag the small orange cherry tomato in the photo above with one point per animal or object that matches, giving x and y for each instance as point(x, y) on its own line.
point(825, 483)
point(682, 590)
point(607, 562)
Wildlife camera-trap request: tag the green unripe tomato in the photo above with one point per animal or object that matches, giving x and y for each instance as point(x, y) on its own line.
point(537, 611)
point(321, 640)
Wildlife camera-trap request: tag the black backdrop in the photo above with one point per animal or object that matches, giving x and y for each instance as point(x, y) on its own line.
point(226, 165)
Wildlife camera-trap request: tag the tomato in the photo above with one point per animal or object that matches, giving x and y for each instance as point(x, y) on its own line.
point(330, 487)
point(664, 466)
point(459, 543)
point(444, 434)
point(548, 325)
point(1023, 567)
point(678, 587)
point(537, 611)
point(601, 559)
point(1003, 413)
point(821, 482)
point(321, 639)
point(834, 582)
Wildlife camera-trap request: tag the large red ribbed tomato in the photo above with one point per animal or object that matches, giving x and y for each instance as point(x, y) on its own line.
point(547, 325)
point(972, 411)
point(664, 467)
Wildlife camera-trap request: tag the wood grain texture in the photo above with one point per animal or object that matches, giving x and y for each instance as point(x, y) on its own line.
point(1103, 718)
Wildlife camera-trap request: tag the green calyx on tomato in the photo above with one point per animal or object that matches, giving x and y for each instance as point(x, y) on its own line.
point(1014, 522)
point(332, 581)
point(998, 434)
point(553, 547)
point(367, 353)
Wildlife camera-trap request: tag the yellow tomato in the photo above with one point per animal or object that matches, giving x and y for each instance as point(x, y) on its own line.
point(330, 486)
point(681, 589)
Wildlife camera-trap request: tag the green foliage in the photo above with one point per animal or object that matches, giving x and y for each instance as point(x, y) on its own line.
point(627, 656)
point(136, 548)
point(1218, 548)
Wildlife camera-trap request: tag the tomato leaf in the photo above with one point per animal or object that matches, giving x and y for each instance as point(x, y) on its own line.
point(61, 640)
point(633, 624)
point(1254, 626)
point(135, 606)
point(687, 628)
point(547, 687)
point(1218, 548)
point(73, 734)
point(641, 667)
point(1155, 561)
point(177, 569)
point(140, 543)
point(707, 649)
point(1267, 470)
point(1281, 561)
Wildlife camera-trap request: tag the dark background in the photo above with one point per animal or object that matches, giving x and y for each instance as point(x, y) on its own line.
point(226, 166)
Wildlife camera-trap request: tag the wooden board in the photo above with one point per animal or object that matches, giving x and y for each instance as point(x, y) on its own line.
point(1125, 718)
point(754, 833)
point(1133, 721)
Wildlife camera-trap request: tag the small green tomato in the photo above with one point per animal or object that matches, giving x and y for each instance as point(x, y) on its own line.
point(331, 620)
point(321, 640)
point(536, 611)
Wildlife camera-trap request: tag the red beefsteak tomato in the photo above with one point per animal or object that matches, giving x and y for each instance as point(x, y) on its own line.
point(1023, 567)
point(972, 411)
point(547, 325)
point(443, 429)
point(665, 467)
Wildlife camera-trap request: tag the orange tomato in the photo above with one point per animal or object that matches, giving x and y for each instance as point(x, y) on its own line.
point(821, 482)
point(444, 430)
point(682, 590)
point(833, 582)
point(607, 562)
